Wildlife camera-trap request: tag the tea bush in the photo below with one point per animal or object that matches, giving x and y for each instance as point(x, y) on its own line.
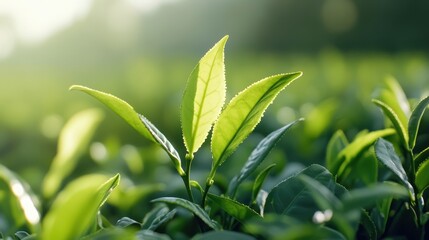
point(372, 186)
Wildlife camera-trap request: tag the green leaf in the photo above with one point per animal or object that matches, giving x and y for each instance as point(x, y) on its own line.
point(258, 155)
point(235, 209)
point(414, 122)
point(157, 216)
point(204, 97)
point(73, 140)
point(164, 143)
point(243, 113)
point(150, 235)
point(292, 198)
point(120, 107)
point(356, 148)
point(422, 176)
point(367, 196)
point(257, 185)
point(421, 157)
point(192, 207)
point(400, 97)
point(17, 203)
point(368, 225)
point(336, 144)
point(75, 209)
point(386, 154)
point(323, 196)
point(399, 125)
point(216, 235)
point(125, 222)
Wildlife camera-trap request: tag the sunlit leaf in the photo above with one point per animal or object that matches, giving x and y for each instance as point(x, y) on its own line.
point(165, 144)
point(243, 113)
point(204, 97)
point(17, 203)
point(398, 92)
point(216, 235)
point(75, 209)
point(72, 142)
point(414, 122)
point(257, 184)
point(353, 151)
point(386, 154)
point(233, 208)
point(258, 155)
point(422, 176)
point(192, 207)
point(399, 125)
point(120, 107)
point(336, 144)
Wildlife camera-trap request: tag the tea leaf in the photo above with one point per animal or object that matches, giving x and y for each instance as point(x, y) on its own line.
point(260, 180)
point(73, 140)
point(216, 235)
point(192, 207)
point(386, 154)
point(421, 157)
point(258, 155)
point(400, 97)
point(75, 209)
point(165, 144)
point(414, 122)
point(323, 196)
point(204, 97)
point(400, 126)
point(422, 176)
point(120, 107)
point(17, 203)
point(367, 196)
point(336, 144)
point(243, 113)
point(235, 209)
point(125, 222)
point(352, 151)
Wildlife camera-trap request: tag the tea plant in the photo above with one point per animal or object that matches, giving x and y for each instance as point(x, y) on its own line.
point(353, 197)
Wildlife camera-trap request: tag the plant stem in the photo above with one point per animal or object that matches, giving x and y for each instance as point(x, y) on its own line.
point(187, 177)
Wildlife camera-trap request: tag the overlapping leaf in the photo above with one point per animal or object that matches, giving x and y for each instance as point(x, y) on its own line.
point(235, 209)
point(414, 122)
point(204, 97)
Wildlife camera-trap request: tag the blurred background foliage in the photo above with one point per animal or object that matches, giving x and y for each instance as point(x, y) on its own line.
point(143, 52)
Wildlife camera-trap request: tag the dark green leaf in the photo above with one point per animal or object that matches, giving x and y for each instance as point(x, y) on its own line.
point(165, 144)
point(323, 196)
point(192, 207)
point(422, 176)
point(235, 209)
point(336, 144)
point(368, 225)
point(260, 180)
point(21, 235)
point(127, 222)
point(151, 235)
point(414, 122)
point(421, 157)
point(258, 155)
point(216, 235)
point(386, 154)
point(156, 212)
point(367, 196)
point(204, 97)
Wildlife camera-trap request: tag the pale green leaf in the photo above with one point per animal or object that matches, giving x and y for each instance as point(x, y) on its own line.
point(258, 155)
point(192, 207)
point(120, 107)
point(414, 122)
point(204, 97)
point(233, 208)
point(18, 205)
point(400, 125)
point(243, 113)
point(216, 235)
point(73, 140)
point(385, 153)
point(76, 207)
point(422, 176)
point(398, 92)
point(354, 150)
point(336, 144)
